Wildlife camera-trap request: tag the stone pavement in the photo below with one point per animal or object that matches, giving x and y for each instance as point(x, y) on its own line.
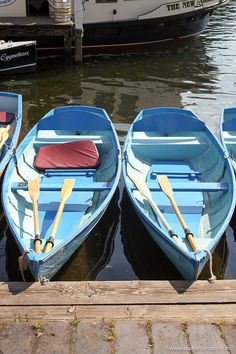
point(115, 337)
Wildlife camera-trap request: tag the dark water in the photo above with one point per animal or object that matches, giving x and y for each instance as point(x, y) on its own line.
point(197, 74)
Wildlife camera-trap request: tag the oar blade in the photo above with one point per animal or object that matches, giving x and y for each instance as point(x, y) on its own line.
point(165, 185)
point(5, 135)
point(67, 188)
point(33, 188)
point(142, 187)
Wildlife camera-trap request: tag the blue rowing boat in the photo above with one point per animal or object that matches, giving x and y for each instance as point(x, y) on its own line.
point(65, 173)
point(228, 133)
point(180, 184)
point(10, 125)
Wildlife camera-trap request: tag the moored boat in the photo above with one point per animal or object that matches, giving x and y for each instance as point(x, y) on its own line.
point(109, 25)
point(17, 57)
point(228, 133)
point(10, 125)
point(66, 171)
point(181, 185)
point(119, 24)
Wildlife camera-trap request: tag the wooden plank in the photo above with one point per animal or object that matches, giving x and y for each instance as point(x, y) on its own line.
point(117, 292)
point(172, 313)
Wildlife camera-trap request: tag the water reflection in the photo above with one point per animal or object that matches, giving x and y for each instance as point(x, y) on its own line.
point(123, 85)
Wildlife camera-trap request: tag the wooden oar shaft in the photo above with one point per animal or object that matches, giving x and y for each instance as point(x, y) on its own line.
point(177, 212)
point(143, 188)
point(188, 234)
point(55, 226)
point(191, 240)
point(57, 219)
point(33, 188)
point(164, 222)
point(66, 190)
point(167, 189)
point(36, 220)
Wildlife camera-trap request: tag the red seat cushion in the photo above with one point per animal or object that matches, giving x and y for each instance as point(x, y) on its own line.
point(78, 154)
point(6, 118)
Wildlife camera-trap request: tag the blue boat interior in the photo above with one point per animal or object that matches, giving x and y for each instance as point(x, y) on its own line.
point(92, 186)
point(176, 144)
point(9, 103)
point(228, 133)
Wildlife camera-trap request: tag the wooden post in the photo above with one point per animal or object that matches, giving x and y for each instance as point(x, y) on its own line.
point(78, 21)
point(67, 44)
point(78, 46)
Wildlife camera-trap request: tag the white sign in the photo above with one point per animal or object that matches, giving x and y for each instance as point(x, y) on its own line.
point(6, 2)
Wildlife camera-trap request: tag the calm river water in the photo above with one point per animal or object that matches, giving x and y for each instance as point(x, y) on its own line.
point(197, 74)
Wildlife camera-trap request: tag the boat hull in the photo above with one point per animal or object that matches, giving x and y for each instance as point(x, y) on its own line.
point(45, 270)
point(139, 33)
point(18, 57)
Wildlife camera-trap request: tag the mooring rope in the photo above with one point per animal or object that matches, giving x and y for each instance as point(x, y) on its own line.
point(212, 277)
point(22, 262)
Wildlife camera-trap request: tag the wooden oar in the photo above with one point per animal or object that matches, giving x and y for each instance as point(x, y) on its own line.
point(5, 133)
point(33, 188)
point(167, 189)
point(66, 190)
point(143, 188)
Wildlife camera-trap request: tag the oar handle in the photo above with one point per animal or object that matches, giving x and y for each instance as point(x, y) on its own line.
point(49, 244)
point(175, 237)
point(50, 241)
point(191, 240)
point(37, 239)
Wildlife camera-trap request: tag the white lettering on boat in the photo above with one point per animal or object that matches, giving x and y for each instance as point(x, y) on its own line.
point(4, 57)
point(184, 4)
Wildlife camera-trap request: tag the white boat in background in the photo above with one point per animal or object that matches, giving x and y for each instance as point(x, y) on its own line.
point(111, 24)
point(17, 57)
point(121, 23)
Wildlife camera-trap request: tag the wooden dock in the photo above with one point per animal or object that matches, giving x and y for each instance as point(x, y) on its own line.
point(42, 27)
point(118, 317)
